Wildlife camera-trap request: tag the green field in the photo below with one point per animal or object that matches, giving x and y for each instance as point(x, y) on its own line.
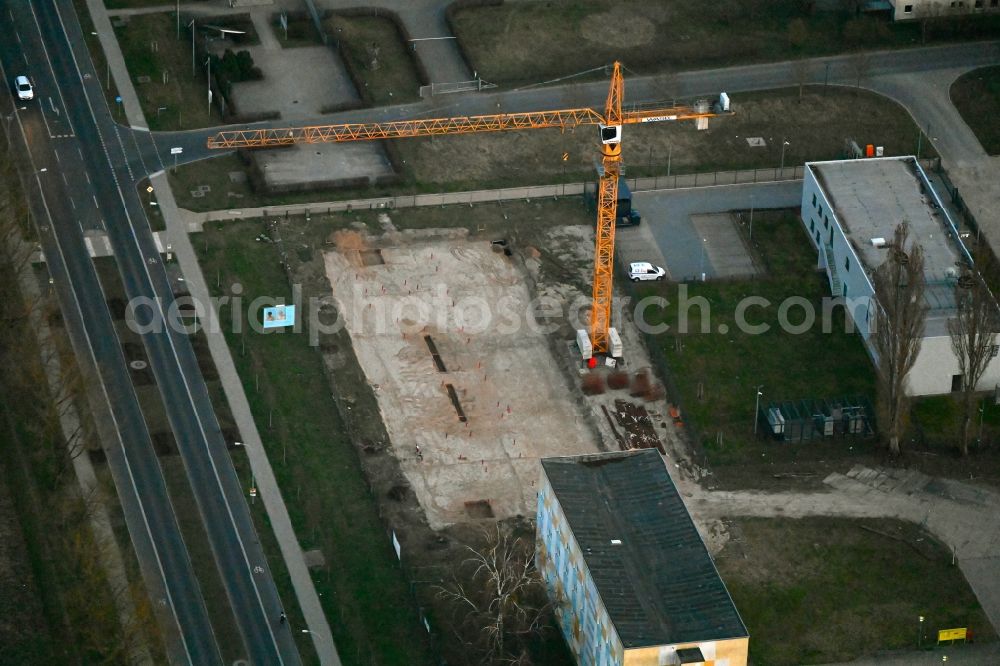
point(363, 591)
point(726, 367)
point(394, 80)
point(976, 95)
point(821, 590)
point(520, 42)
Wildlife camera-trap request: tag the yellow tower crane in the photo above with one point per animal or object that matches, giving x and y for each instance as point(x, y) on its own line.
point(610, 124)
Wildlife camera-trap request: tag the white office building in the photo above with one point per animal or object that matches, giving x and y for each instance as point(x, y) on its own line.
point(850, 209)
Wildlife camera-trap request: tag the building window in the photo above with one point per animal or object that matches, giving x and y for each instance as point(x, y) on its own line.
point(993, 350)
point(814, 199)
point(812, 224)
point(907, 9)
point(847, 264)
point(826, 222)
point(821, 209)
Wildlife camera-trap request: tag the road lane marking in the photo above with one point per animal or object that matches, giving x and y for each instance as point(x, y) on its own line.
point(53, 105)
point(48, 60)
point(273, 643)
point(95, 201)
point(104, 389)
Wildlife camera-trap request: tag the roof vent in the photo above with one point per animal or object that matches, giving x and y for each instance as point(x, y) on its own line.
point(878, 242)
point(616, 542)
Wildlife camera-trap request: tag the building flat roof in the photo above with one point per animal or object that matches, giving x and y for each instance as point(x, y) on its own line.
point(648, 562)
point(871, 196)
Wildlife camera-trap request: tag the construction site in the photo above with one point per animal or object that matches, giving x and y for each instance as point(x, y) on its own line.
point(445, 328)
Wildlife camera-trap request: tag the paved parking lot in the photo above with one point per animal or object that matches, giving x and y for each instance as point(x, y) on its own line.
point(667, 217)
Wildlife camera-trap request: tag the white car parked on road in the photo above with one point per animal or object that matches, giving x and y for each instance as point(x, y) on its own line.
point(643, 270)
point(23, 87)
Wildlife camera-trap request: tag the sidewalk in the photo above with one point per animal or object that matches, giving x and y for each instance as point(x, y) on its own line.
point(277, 512)
point(963, 655)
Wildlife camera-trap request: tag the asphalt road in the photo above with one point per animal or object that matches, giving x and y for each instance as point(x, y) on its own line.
point(55, 168)
point(840, 70)
point(82, 159)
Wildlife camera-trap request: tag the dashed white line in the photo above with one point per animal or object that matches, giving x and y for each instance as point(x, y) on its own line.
point(95, 201)
point(72, 203)
point(86, 173)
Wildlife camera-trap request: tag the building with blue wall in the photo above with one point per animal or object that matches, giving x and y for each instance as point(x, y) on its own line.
point(629, 576)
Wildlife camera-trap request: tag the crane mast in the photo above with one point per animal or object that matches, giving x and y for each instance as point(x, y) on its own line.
point(610, 123)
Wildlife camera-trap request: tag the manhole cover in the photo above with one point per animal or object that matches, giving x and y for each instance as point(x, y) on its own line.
point(138, 365)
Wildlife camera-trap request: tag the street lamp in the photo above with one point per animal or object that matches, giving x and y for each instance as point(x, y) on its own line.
point(783, 144)
point(194, 72)
point(701, 265)
point(751, 218)
point(920, 634)
point(756, 411)
point(979, 439)
point(208, 85)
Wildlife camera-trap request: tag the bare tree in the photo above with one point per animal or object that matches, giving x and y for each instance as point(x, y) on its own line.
point(900, 312)
point(801, 75)
point(973, 333)
point(499, 596)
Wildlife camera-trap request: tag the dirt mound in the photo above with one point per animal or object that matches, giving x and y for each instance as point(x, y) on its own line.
point(345, 240)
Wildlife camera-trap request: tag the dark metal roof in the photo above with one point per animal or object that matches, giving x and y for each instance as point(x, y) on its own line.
point(659, 585)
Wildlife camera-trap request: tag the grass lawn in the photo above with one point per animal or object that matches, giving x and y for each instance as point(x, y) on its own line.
point(363, 591)
point(151, 49)
point(816, 127)
point(821, 590)
point(727, 366)
point(395, 81)
point(531, 42)
point(976, 95)
point(301, 32)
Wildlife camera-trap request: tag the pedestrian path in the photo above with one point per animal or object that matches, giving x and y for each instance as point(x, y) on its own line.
point(964, 517)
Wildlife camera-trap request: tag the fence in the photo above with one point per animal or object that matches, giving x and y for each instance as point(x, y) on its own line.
point(676, 181)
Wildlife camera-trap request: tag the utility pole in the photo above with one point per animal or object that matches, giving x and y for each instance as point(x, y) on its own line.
point(208, 62)
point(178, 12)
point(756, 409)
point(194, 72)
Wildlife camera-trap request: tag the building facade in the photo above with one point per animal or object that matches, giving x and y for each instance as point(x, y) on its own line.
point(850, 209)
point(907, 10)
point(631, 581)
